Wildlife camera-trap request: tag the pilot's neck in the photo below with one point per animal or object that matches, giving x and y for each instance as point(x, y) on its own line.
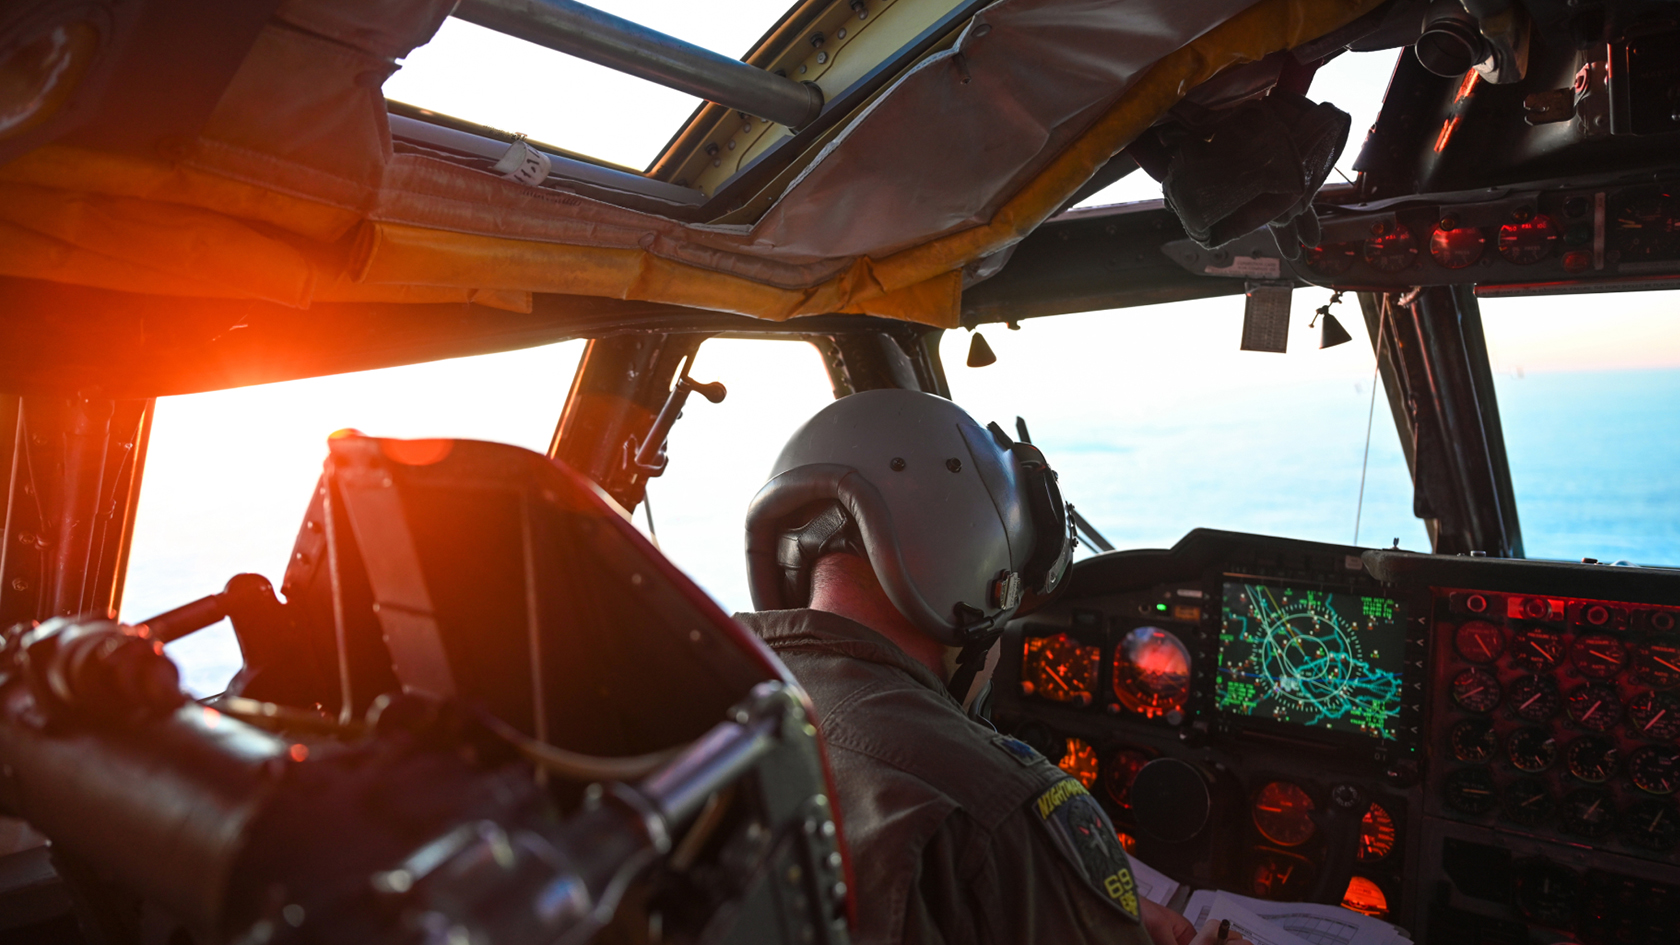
point(845, 584)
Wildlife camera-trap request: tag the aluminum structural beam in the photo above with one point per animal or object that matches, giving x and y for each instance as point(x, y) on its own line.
point(607, 40)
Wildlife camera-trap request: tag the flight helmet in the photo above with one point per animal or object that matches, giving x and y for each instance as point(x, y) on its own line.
point(961, 525)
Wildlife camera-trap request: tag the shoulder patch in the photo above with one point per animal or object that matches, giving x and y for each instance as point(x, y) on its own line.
point(1085, 835)
point(1023, 753)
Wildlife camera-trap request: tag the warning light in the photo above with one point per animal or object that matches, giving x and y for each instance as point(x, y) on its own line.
point(1365, 897)
point(1161, 607)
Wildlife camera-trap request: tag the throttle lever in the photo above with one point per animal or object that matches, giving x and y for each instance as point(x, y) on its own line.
point(648, 457)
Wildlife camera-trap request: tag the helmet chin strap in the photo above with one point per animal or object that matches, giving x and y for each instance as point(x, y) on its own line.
point(971, 660)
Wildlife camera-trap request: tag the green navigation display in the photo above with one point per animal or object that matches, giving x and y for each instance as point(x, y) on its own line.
point(1325, 659)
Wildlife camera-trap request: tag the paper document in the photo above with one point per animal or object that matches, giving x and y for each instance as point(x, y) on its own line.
point(1303, 922)
point(1155, 886)
point(1213, 905)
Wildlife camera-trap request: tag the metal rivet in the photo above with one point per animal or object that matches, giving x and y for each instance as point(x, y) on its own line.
point(822, 57)
point(840, 33)
point(954, 464)
point(897, 464)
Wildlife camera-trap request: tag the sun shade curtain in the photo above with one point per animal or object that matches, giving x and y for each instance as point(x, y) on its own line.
point(294, 194)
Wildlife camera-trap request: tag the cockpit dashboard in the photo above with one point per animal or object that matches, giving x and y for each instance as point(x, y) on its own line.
point(1478, 750)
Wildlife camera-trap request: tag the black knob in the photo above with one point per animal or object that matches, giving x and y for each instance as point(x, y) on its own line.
point(1170, 800)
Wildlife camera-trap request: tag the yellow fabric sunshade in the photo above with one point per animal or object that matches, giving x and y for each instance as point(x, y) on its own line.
point(82, 217)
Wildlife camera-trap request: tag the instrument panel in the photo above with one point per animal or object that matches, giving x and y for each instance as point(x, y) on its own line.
point(1477, 750)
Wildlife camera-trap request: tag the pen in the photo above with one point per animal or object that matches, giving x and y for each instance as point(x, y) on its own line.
point(1224, 931)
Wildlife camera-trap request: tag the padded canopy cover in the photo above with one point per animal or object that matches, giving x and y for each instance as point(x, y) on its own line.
point(292, 194)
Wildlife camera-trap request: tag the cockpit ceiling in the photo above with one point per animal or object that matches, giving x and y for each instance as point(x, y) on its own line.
point(293, 193)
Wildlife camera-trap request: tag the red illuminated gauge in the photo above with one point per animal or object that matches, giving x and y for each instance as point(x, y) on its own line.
point(1282, 876)
point(1598, 656)
point(1080, 761)
point(1476, 690)
point(1392, 251)
point(1122, 770)
point(1655, 769)
point(1654, 715)
point(1376, 834)
point(1365, 897)
point(1535, 698)
point(1331, 259)
point(1592, 759)
point(1283, 814)
point(1656, 662)
point(1537, 650)
point(1058, 668)
point(1528, 241)
point(1151, 672)
point(1479, 641)
point(1531, 749)
point(1458, 247)
point(1594, 706)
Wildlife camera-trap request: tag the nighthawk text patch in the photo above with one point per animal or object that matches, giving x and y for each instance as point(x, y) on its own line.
point(1086, 837)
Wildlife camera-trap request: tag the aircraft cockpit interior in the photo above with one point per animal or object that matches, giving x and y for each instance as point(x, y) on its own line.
point(386, 387)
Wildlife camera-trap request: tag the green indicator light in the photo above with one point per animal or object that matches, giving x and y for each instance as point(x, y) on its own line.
point(1161, 607)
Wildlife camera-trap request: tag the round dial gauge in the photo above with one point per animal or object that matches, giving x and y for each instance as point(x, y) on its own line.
point(1151, 672)
point(1060, 669)
point(1476, 690)
point(1479, 641)
point(1122, 769)
point(1537, 650)
point(1471, 791)
point(1598, 656)
point(1656, 662)
point(1594, 706)
point(1529, 241)
point(1655, 715)
point(1331, 259)
point(1655, 769)
point(1587, 812)
point(1283, 814)
point(1376, 834)
point(1535, 698)
point(1474, 740)
point(1527, 801)
point(1393, 251)
point(1652, 824)
point(1647, 224)
point(1592, 759)
point(1458, 247)
point(1531, 749)
point(1080, 761)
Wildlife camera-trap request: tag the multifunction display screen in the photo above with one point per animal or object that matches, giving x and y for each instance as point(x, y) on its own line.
point(1315, 658)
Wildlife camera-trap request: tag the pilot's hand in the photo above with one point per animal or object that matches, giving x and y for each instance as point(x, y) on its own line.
point(1165, 926)
point(1209, 935)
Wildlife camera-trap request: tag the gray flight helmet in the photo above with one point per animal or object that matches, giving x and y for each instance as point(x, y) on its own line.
point(958, 522)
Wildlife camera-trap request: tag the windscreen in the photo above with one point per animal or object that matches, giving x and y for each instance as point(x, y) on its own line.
point(1309, 657)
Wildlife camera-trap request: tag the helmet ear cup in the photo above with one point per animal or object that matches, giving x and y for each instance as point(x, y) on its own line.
point(1052, 530)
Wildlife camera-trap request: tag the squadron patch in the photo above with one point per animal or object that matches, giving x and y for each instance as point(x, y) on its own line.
point(1086, 837)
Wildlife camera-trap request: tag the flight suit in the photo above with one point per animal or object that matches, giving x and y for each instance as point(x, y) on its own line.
point(957, 833)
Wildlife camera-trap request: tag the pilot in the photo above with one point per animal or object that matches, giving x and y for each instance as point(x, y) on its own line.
point(895, 537)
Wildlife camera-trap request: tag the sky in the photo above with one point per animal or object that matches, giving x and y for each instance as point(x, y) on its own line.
point(1155, 419)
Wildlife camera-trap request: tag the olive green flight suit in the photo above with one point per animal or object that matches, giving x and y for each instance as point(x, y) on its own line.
point(957, 834)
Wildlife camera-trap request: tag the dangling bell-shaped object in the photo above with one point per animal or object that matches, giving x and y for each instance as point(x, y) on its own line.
point(980, 353)
point(1333, 334)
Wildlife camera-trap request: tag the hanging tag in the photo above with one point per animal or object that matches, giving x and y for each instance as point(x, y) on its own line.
point(1266, 317)
point(524, 164)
